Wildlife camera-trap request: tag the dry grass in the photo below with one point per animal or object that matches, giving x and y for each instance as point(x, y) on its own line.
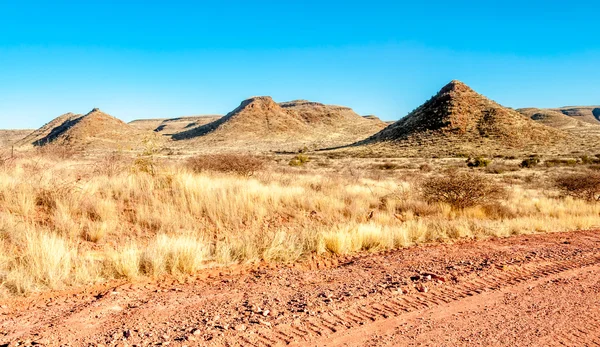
point(241, 164)
point(64, 222)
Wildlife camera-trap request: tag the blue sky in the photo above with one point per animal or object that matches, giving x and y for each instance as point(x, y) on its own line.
point(147, 59)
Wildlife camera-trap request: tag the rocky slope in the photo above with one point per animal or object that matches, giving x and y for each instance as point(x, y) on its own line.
point(171, 126)
point(261, 123)
point(458, 120)
point(10, 137)
point(94, 130)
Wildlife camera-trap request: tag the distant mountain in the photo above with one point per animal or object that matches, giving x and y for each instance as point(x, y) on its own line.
point(559, 120)
point(171, 126)
point(9, 138)
point(590, 114)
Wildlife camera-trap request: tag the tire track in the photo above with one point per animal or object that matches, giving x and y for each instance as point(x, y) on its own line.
point(502, 276)
point(587, 334)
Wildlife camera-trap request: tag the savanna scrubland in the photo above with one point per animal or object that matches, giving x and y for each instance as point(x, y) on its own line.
point(70, 221)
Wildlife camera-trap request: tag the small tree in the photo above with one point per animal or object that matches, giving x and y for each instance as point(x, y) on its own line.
point(461, 189)
point(585, 186)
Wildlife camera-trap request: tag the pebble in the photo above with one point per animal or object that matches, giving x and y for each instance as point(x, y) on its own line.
point(241, 327)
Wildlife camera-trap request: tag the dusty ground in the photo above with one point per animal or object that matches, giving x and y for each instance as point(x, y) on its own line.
point(521, 291)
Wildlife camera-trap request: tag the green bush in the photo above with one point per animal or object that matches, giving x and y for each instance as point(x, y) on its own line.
point(387, 166)
point(478, 162)
point(560, 162)
point(589, 160)
point(425, 167)
point(299, 160)
point(530, 162)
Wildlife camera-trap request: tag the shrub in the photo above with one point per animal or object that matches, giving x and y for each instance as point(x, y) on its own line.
point(111, 165)
point(478, 162)
point(173, 255)
point(461, 189)
point(425, 168)
point(581, 185)
point(239, 164)
point(299, 160)
point(589, 160)
point(501, 168)
point(560, 162)
point(56, 151)
point(586, 160)
point(6, 161)
point(387, 166)
point(303, 150)
point(146, 160)
point(530, 162)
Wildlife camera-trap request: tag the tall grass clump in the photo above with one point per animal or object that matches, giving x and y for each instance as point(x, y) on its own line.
point(46, 260)
point(174, 255)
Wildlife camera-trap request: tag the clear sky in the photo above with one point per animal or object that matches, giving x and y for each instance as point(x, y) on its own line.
point(149, 59)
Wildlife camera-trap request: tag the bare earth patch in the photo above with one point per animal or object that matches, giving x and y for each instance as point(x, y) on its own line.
point(526, 291)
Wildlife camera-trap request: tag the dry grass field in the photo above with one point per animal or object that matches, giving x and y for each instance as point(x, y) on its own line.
point(72, 221)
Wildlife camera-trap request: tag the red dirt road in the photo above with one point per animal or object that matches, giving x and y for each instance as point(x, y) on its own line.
point(537, 290)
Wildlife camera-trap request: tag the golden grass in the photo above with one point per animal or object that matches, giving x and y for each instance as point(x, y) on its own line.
point(63, 223)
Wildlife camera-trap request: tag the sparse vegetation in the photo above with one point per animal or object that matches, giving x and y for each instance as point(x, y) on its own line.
point(66, 222)
point(530, 162)
point(478, 162)
point(299, 160)
point(560, 162)
point(387, 166)
point(241, 164)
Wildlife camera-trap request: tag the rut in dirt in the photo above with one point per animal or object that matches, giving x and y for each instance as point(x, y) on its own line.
point(382, 297)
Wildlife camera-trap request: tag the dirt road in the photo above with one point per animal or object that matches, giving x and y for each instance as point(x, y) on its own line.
point(523, 291)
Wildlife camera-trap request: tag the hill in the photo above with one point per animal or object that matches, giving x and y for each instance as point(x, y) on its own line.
point(261, 123)
point(171, 126)
point(457, 120)
point(11, 137)
point(589, 114)
point(377, 119)
point(43, 132)
point(94, 130)
point(559, 120)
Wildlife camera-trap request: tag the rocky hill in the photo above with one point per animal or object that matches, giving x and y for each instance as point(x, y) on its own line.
point(94, 130)
point(261, 123)
point(457, 120)
point(559, 120)
point(171, 126)
point(589, 114)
